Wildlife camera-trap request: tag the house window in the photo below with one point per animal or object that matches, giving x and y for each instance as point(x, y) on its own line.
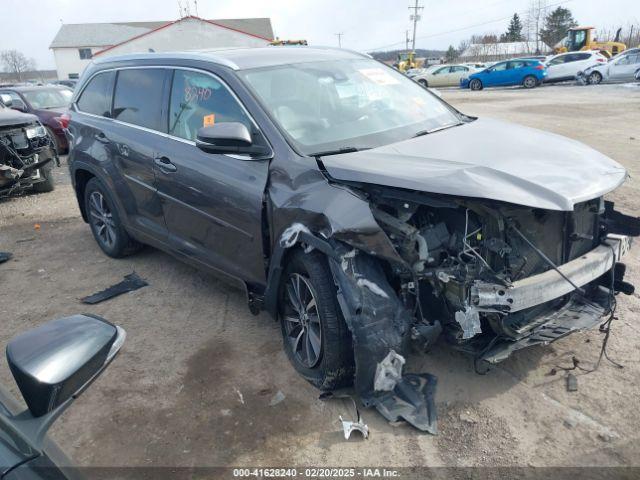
point(85, 53)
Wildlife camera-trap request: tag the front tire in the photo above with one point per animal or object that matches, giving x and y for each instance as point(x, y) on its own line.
point(423, 82)
point(595, 78)
point(475, 84)
point(105, 222)
point(315, 337)
point(530, 81)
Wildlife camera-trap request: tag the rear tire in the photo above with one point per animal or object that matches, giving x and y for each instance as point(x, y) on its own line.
point(475, 84)
point(315, 336)
point(530, 81)
point(48, 184)
point(105, 222)
point(424, 83)
point(594, 78)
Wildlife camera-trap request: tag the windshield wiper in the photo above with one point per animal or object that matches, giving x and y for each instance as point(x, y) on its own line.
point(437, 129)
point(338, 151)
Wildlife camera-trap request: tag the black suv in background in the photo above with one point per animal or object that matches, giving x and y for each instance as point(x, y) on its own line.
point(358, 208)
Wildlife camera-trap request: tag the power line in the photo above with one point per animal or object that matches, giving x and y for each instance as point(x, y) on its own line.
point(466, 28)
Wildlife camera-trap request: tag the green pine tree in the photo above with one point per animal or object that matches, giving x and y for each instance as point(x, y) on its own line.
point(451, 54)
point(514, 32)
point(556, 25)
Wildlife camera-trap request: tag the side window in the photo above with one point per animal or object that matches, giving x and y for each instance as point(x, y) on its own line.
point(96, 96)
point(138, 97)
point(634, 59)
point(199, 100)
point(519, 64)
point(583, 56)
point(499, 67)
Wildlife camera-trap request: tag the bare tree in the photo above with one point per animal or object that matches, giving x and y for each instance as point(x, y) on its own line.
point(533, 21)
point(17, 63)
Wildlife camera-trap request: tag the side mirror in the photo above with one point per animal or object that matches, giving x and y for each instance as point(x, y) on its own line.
point(19, 105)
point(54, 363)
point(226, 137)
point(6, 99)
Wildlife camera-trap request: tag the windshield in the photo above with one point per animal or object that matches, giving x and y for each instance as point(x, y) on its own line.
point(48, 98)
point(346, 104)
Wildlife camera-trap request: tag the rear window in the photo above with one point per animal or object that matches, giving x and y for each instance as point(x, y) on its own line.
point(138, 97)
point(96, 97)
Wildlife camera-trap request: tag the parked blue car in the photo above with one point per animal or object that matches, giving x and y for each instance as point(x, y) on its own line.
point(528, 73)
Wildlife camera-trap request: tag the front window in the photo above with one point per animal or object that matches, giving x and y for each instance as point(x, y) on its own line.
point(577, 39)
point(326, 106)
point(199, 100)
point(48, 98)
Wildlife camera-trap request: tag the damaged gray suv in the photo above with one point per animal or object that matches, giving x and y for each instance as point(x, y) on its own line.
point(353, 205)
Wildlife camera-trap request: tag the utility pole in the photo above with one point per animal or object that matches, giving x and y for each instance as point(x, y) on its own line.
point(415, 17)
point(406, 40)
point(339, 35)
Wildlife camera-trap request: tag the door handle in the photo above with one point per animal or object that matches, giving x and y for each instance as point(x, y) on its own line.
point(101, 137)
point(165, 164)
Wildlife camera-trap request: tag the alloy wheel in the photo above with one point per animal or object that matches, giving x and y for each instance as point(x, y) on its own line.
point(102, 219)
point(302, 321)
point(530, 82)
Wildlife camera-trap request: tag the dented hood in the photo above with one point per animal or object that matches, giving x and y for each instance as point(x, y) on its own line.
point(487, 159)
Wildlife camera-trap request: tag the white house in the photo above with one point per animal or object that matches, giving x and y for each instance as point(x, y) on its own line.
point(76, 44)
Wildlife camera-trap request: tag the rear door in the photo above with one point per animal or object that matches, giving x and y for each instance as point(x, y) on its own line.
point(457, 72)
point(138, 127)
point(212, 203)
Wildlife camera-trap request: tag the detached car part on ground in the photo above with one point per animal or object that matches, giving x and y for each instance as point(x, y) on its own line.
point(26, 153)
point(52, 365)
point(359, 209)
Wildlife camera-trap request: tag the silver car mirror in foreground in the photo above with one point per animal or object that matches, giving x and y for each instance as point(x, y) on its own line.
point(53, 364)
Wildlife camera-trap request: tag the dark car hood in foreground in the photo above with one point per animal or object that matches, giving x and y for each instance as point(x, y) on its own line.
point(10, 118)
point(487, 159)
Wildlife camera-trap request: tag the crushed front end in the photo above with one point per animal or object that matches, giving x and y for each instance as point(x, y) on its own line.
point(25, 150)
point(500, 277)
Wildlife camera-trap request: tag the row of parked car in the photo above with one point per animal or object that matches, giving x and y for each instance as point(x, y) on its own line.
point(589, 67)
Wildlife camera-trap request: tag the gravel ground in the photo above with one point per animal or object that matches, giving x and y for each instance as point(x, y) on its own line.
point(194, 383)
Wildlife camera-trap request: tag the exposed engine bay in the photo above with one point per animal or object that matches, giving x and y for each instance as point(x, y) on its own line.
point(495, 270)
point(25, 151)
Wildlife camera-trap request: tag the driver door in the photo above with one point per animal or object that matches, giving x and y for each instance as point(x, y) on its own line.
point(212, 203)
point(624, 69)
point(440, 77)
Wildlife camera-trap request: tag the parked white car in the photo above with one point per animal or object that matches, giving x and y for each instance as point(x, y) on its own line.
point(567, 65)
point(444, 75)
point(621, 68)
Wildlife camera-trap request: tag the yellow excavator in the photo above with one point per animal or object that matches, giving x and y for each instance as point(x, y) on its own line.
point(582, 38)
point(406, 61)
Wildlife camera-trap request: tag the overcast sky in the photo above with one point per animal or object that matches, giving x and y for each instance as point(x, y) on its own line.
point(30, 25)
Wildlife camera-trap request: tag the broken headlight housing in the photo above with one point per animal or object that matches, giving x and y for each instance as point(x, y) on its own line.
point(35, 131)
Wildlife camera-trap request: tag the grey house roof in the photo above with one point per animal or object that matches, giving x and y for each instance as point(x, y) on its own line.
point(75, 35)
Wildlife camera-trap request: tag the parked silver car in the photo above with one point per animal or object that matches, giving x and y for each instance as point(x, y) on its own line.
point(621, 68)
